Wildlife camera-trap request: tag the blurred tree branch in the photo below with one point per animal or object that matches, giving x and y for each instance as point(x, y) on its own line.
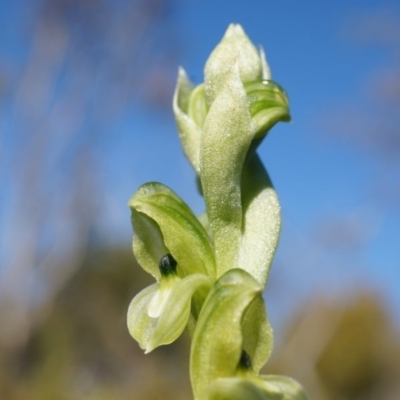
point(84, 64)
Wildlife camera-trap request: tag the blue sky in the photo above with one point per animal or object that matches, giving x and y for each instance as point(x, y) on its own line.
point(335, 238)
point(335, 167)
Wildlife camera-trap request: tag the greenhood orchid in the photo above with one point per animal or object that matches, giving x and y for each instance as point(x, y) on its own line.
point(211, 270)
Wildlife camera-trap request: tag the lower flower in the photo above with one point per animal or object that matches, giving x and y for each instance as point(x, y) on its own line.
point(159, 314)
point(269, 387)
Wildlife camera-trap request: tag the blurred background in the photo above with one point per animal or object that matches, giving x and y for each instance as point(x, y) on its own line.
point(85, 119)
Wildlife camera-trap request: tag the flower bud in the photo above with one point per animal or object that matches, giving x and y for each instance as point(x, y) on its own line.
point(235, 47)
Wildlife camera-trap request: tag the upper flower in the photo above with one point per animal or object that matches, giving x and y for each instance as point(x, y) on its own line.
point(172, 245)
point(221, 122)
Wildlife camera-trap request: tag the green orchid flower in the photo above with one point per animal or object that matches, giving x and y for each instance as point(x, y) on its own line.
point(210, 271)
point(159, 314)
point(232, 321)
point(225, 362)
point(167, 234)
point(270, 387)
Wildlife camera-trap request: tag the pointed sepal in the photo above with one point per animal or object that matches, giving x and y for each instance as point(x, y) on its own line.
point(190, 111)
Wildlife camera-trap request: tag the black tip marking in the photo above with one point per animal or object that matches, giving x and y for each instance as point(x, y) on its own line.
point(245, 361)
point(167, 265)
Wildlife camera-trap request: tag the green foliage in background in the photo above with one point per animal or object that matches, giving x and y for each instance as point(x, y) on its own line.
point(82, 348)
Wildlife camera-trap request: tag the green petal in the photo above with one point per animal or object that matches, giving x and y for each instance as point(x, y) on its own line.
point(148, 243)
point(268, 104)
point(257, 333)
point(227, 134)
point(183, 234)
point(235, 389)
point(140, 325)
point(281, 388)
point(189, 130)
point(175, 311)
point(218, 337)
point(262, 220)
point(198, 107)
point(272, 387)
point(235, 47)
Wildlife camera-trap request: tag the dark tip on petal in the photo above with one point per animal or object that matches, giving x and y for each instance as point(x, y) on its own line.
point(245, 361)
point(167, 265)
